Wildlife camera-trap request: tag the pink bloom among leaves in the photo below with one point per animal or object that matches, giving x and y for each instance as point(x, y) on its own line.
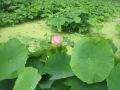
point(56, 40)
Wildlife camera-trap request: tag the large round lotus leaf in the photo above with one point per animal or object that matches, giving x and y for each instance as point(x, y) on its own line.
point(92, 59)
point(113, 81)
point(13, 56)
point(27, 80)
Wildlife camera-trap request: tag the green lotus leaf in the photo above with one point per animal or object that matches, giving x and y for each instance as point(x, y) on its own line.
point(27, 79)
point(113, 81)
point(77, 84)
point(58, 66)
point(92, 59)
point(13, 56)
point(57, 21)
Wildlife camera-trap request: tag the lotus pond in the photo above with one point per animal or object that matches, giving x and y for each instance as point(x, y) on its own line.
point(59, 45)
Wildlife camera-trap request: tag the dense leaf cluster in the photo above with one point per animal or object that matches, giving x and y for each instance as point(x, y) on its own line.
point(66, 15)
point(83, 14)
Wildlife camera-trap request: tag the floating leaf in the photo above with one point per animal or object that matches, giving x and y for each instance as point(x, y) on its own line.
point(27, 80)
point(58, 66)
point(13, 57)
point(92, 59)
point(113, 81)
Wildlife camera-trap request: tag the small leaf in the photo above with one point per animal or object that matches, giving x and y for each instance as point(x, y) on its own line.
point(92, 21)
point(77, 19)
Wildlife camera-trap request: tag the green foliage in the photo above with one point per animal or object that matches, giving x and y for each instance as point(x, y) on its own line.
point(113, 80)
point(46, 49)
point(90, 56)
point(13, 57)
point(46, 84)
point(114, 48)
point(76, 84)
point(49, 67)
point(81, 15)
point(58, 21)
point(66, 15)
point(58, 66)
point(59, 85)
point(74, 20)
point(27, 79)
point(36, 63)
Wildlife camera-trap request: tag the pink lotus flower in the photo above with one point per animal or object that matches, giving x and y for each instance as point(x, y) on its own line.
point(56, 40)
